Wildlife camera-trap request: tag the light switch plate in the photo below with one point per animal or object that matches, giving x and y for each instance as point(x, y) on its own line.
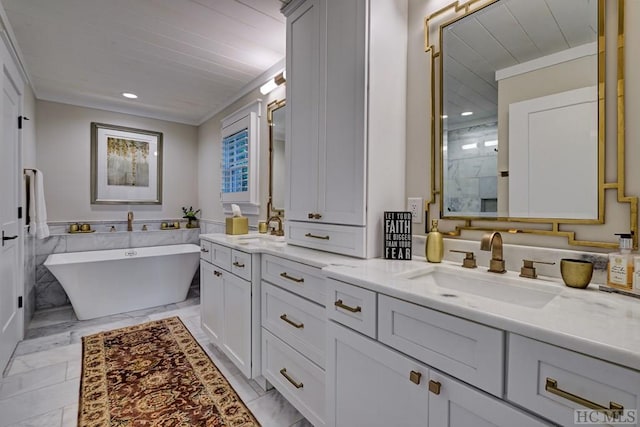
point(414, 205)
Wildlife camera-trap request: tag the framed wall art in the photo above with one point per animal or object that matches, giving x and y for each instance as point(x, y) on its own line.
point(126, 165)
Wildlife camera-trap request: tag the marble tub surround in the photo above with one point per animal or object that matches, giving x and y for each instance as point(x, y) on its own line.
point(514, 254)
point(29, 292)
point(48, 292)
point(104, 226)
point(584, 320)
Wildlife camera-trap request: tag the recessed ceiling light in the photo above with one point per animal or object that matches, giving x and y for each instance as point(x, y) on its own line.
point(129, 95)
point(466, 113)
point(491, 143)
point(470, 146)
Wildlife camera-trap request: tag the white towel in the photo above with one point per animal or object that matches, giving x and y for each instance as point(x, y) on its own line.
point(37, 208)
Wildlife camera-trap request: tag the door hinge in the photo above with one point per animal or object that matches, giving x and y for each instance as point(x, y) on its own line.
point(19, 212)
point(20, 119)
point(19, 302)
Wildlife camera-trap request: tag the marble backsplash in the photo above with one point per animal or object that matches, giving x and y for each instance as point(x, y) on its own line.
point(48, 293)
point(514, 254)
point(29, 293)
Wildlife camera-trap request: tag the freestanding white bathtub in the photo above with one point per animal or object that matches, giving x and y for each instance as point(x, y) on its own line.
point(100, 283)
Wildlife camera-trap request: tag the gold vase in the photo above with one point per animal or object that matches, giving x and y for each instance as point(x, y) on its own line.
point(435, 244)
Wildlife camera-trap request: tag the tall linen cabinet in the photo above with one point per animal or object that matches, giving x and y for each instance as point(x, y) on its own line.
point(345, 136)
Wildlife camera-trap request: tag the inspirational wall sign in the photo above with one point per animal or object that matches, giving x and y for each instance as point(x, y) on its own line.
point(397, 235)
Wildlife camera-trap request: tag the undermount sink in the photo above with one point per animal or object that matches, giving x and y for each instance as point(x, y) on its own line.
point(453, 283)
point(262, 239)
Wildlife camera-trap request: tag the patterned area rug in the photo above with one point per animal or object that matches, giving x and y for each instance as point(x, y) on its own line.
point(154, 374)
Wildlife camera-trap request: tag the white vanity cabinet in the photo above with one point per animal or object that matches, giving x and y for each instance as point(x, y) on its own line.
point(397, 379)
point(555, 381)
point(452, 403)
point(346, 90)
point(229, 301)
point(371, 385)
point(294, 334)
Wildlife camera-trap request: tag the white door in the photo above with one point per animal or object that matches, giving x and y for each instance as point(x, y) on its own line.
point(10, 323)
point(211, 313)
point(453, 404)
point(341, 149)
point(303, 98)
point(371, 385)
point(237, 321)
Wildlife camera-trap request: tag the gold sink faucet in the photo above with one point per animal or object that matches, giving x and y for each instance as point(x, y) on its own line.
point(130, 221)
point(493, 242)
point(279, 231)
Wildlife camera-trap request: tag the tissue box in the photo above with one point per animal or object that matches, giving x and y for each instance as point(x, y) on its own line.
point(237, 225)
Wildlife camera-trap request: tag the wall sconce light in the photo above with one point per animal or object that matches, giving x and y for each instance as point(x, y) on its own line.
point(273, 83)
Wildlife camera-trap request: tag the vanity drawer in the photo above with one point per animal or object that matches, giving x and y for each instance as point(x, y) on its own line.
point(298, 322)
point(221, 256)
point(341, 239)
point(298, 278)
point(469, 351)
point(300, 381)
point(553, 381)
point(241, 264)
point(205, 250)
point(352, 306)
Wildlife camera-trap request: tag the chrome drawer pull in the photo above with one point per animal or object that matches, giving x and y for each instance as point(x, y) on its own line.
point(341, 305)
point(316, 237)
point(552, 387)
point(205, 250)
point(315, 216)
point(283, 372)
point(294, 279)
point(217, 273)
point(292, 323)
point(237, 264)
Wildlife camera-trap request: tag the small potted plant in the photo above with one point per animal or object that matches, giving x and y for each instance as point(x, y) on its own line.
point(190, 215)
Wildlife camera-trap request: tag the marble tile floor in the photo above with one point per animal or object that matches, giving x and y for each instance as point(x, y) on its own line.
point(40, 385)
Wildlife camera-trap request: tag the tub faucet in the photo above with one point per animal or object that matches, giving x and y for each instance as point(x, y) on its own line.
point(130, 221)
point(493, 242)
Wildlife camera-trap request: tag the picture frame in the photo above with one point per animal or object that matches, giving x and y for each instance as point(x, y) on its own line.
point(126, 165)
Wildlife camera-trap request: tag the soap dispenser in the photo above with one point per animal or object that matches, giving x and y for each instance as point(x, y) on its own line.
point(620, 268)
point(435, 243)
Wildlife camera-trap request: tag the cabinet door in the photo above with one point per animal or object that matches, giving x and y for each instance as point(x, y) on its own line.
point(211, 314)
point(341, 193)
point(453, 404)
point(303, 106)
point(236, 340)
point(371, 385)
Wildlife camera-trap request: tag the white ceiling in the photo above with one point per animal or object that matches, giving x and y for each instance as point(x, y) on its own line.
point(504, 34)
point(185, 59)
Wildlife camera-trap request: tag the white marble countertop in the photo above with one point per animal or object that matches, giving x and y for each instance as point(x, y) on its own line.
point(265, 243)
point(598, 324)
point(588, 321)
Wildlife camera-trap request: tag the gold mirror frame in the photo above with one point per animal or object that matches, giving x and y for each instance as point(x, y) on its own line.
point(271, 107)
point(553, 227)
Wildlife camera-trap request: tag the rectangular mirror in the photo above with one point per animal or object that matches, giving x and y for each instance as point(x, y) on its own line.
point(520, 104)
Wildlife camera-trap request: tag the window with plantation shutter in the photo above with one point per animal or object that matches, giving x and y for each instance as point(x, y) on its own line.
point(235, 162)
point(239, 159)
